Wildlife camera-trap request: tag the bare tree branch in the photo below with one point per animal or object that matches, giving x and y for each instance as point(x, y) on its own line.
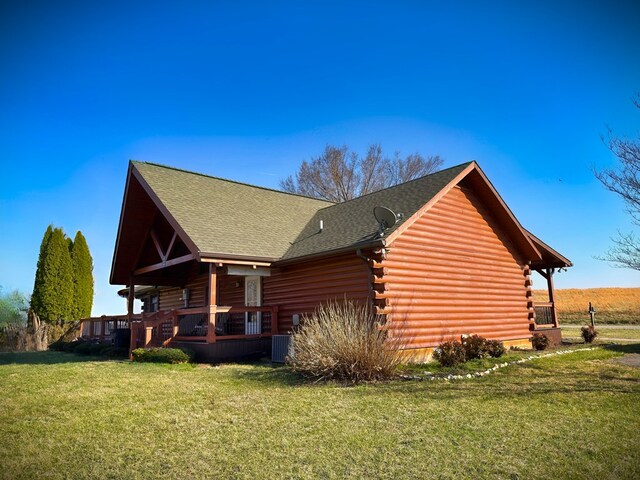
point(339, 174)
point(625, 252)
point(624, 181)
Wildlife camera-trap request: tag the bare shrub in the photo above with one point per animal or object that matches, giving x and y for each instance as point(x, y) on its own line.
point(539, 341)
point(495, 348)
point(450, 354)
point(344, 341)
point(24, 338)
point(589, 333)
point(474, 346)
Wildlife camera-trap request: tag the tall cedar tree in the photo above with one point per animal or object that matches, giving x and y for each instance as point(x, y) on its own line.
point(52, 298)
point(82, 264)
point(37, 296)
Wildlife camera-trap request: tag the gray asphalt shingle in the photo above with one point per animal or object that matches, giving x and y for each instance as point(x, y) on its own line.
point(226, 217)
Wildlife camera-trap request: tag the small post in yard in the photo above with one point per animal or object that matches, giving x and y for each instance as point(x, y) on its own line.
point(592, 314)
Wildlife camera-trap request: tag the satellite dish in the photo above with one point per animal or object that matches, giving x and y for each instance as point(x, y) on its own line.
point(386, 218)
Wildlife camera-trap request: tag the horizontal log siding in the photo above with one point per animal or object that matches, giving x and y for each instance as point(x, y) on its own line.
point(453, 272)
point(171, 298)
point(301, 288)
point(230, 295)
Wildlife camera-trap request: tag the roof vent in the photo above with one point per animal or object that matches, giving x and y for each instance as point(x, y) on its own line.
point(386, 218)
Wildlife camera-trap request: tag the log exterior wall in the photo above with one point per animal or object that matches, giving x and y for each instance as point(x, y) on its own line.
point(454, 272)
point(231, 290)
point(300, 288)
point(171, 298)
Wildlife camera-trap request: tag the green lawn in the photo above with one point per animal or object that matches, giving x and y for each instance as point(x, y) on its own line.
point(63, 416)
point(604, 332)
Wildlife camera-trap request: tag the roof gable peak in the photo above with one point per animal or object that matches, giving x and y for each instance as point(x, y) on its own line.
point(478, 181)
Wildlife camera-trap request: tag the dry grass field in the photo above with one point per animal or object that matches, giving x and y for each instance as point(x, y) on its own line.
point(613, 305)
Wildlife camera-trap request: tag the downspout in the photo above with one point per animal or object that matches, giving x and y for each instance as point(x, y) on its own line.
point(360, 255)
point(365, 258)
point(369, 263)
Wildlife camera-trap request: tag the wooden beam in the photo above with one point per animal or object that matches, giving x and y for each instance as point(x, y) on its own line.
point(213, 285)
point(161, 265)
point(130, 299)
point(542, 273)
point(171, 244)
point(235, 262)
point(156, 242)
point(213, 299)
point(551, 290)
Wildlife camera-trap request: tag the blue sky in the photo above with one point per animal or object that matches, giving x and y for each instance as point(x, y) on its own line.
point(248, 90)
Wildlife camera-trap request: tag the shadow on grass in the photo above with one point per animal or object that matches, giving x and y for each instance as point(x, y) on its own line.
point(46, 358)
point(528, 381)
point(270, 374)
point(623, 348)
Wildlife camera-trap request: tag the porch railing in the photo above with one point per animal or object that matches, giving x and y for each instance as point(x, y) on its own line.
point(244, 321)
point(544, 314)
point(101, 328)
point(193, 324)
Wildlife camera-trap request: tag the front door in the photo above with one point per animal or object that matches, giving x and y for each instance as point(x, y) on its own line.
point(252, 298)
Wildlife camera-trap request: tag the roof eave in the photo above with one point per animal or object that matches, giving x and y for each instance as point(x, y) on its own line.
point(117, 244)
point(212, 256)
point(559, 260)
point(329, 253)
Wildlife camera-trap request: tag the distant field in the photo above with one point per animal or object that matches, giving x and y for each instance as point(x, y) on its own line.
point(613, 305)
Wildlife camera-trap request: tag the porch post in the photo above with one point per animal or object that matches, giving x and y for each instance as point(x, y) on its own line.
point(148, 335)
point(213, 299)
point(552, 300)
point(130, 299)
point(274, 320)
point(133, 329)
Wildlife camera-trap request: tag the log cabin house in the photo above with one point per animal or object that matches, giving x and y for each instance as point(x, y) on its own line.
point(222, 266)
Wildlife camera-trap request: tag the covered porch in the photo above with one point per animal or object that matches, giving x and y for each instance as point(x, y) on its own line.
point(544, 314)
point(201, 303)
point(188, 296)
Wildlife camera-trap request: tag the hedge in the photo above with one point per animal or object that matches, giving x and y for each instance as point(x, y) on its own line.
point(160, 355)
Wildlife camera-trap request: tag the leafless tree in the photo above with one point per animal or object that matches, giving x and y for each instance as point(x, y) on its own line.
point(340, 174)
point(624, 180)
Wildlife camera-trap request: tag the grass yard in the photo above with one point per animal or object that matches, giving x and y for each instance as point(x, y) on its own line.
point(604, 332)
point(63, 416)
point(613, 305)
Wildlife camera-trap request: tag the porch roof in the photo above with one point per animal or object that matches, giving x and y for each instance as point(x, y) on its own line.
point(550, 258)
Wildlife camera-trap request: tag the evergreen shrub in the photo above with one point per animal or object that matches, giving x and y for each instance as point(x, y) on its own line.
point(495, 348)
point(539, 341)
point(589, 334)
point(160, 355)
point(450, 354)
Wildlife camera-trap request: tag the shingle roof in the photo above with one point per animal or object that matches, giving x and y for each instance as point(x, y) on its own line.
point(231, 218)
point(225, 217)
point(352, 223)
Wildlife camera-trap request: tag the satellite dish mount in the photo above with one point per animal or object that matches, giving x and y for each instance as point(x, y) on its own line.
point(386, 218)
